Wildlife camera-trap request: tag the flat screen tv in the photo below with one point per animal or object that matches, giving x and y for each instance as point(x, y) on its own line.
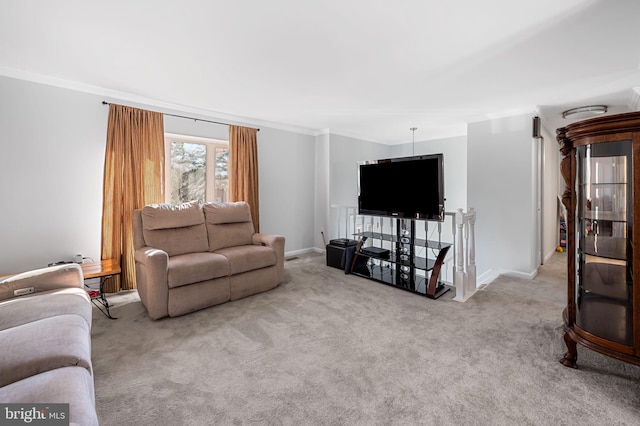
point(406, 187)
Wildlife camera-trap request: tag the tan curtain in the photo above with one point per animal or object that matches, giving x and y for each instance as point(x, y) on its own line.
point(243, 181)
point(133, 177)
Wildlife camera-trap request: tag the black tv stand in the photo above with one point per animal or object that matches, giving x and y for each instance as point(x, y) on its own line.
point(398, 267)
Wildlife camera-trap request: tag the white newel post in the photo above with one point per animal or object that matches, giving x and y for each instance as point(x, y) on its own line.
point(471, 267)
point(454, 229)
point(465, 255)
point(460, 276)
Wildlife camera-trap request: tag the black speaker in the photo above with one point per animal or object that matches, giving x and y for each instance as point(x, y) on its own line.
point(335, 256)
point(536, 127)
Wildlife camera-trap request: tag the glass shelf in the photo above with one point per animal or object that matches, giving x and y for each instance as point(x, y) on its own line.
point(388, 276)
point(603, 184)
point(422, 263)
point(606, 279)
point(604, 165)
point(607, 247)
point(605, 216)
point(608, 203)
point(606, 318)
point(418, 242)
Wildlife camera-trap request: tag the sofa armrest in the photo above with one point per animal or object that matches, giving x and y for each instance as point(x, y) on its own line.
point(51, 278)
point(151, 278)
point(276, 242)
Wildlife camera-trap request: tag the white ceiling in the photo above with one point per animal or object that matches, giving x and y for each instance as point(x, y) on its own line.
point(364, 68)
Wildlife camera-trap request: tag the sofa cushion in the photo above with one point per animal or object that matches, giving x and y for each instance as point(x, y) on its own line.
point(46, 304)
point(67, 385)
point(228, 224)
point(192, 268)
point(176, 229)
point(253, 282)
point(164, 216)
point(249, 257)
point(45, 279)
point(175, 241)
point(190, 298)
point(44, 345)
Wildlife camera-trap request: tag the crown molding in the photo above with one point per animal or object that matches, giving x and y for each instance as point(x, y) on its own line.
point(533, 110)
point(537, 111)
point(634, 105)
point(325, 131)
point(167, 107)
point(328, 131)
point(360, 137)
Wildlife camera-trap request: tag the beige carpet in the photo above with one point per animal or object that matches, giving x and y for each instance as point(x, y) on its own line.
point(328, 348)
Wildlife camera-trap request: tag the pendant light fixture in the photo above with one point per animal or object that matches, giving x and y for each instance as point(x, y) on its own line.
point(413, 140)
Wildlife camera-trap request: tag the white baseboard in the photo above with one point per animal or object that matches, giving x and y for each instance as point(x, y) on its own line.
point(302, 251)
point(487, 277)
point(517, 274)
point(490, 275)
point(548, 256)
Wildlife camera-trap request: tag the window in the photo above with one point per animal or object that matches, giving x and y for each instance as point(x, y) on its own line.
point(196, 169)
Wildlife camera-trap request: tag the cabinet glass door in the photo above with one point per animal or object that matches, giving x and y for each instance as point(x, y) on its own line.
point(603, 236)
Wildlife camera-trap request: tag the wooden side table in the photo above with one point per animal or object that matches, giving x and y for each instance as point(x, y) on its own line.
point(103, 270)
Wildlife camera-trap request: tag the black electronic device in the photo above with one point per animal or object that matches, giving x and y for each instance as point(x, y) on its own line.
point(405, 187)
point(536, 127)
point(343, 242)
point(375, 252)
point(59, 262)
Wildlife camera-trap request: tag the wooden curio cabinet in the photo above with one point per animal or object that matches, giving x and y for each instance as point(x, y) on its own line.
point(601, 167)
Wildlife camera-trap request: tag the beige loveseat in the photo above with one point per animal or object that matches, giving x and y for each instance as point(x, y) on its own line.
point(45, 341)
point(192, 256)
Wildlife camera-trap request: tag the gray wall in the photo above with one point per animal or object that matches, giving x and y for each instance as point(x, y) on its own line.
point(551, 205)
point(201, 129)
point(500, 186)
point(322, 204)
point(344, 153)
point(51, 170)
point(287, 185)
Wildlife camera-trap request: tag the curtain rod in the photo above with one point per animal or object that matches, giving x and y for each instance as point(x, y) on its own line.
point(188, 118)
